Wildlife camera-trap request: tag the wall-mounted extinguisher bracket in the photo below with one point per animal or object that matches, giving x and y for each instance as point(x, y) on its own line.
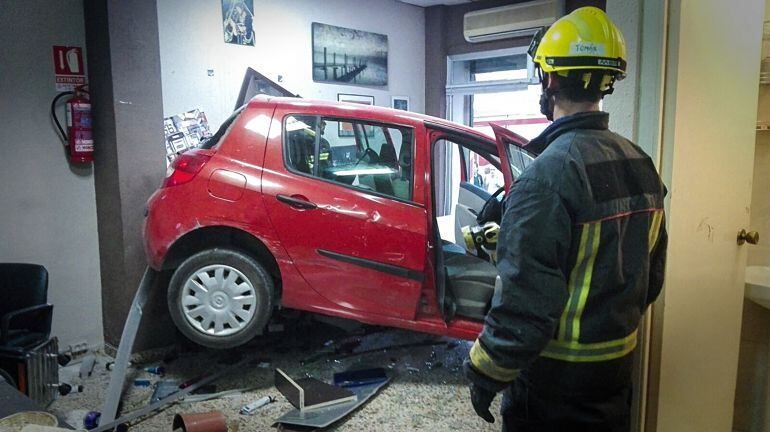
point(78, 138)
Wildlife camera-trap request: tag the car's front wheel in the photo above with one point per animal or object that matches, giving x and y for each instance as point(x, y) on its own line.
point(220, 298)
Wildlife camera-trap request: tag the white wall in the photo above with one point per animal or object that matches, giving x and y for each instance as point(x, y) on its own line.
point(47, 209)
point(760, 200)
point(191, 41)
point(622, 103)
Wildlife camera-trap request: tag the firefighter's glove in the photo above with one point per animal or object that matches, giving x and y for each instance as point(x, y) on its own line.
point(483, 391)
point(481, 398)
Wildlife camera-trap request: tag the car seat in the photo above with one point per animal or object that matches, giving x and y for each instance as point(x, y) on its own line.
point(471, 281)
point(301, 151)
point(388, 155)
point(376, 182)
point(367, 158)
point(402, 183)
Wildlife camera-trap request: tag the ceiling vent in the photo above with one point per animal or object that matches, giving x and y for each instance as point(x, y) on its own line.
point(522, 19)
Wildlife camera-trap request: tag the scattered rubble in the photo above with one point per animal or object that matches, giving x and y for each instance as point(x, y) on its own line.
point(420, 368)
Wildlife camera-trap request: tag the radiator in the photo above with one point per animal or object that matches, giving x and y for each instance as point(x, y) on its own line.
point(41, 379)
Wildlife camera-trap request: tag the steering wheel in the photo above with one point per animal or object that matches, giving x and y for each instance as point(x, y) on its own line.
point(492, 211)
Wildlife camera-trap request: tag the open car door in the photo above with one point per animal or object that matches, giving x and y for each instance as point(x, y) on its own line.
point(511, 148)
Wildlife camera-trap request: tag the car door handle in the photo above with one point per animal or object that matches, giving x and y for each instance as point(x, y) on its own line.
point(296, 201)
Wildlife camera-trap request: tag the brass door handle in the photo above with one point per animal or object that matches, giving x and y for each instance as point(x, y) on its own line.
point(750, 237)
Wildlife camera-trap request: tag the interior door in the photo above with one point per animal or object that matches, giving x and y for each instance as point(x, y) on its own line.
point(358, 248)
point(708, 160)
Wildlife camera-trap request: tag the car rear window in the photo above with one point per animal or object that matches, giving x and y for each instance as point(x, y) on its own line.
point(369, 156)
point(214, 140)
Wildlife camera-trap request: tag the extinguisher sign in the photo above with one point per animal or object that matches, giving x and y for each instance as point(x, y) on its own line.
point(68, 67)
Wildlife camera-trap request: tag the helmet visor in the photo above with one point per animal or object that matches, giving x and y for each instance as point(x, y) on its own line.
point(536, 42)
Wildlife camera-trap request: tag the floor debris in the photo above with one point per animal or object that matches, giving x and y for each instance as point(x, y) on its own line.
point(164, 388)
point(142, 383)
point(352, 378)
point(323, 417)
point(87, 366)
point(213, 421)
point(427, 400)
point(156, 370)
point(309, 393)
point(91, 420)
point(209, 377)
point(223, 394)
point(251, 408)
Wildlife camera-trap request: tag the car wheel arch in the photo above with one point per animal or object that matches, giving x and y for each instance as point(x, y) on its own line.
point(227, 237)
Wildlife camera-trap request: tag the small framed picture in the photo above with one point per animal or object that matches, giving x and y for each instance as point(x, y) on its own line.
point(354, 98)
point(400, 103)
point(346, 129)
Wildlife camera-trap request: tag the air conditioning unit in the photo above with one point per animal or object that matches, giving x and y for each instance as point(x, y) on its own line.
point(522, 19)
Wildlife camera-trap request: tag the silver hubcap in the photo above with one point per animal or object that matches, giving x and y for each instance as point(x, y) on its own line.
point(218, 300)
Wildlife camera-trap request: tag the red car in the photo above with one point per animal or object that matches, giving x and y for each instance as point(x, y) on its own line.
point(331, 208)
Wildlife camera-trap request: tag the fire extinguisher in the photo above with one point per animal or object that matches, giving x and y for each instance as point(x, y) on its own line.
point(78, 137)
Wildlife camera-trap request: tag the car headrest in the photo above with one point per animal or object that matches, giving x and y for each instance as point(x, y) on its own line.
point(405, 158)
point(388, 155)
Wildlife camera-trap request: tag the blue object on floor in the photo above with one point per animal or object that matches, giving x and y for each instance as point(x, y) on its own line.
point(91, 420)
point(352, 378)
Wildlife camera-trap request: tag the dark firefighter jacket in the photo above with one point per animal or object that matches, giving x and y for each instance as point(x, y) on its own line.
point(580, 255)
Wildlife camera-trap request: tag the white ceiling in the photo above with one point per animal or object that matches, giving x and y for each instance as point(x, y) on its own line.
point(426, 3)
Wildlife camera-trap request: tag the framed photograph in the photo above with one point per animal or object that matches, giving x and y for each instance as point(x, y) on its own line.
point(346, 129)
point(343, 55)
point(400, 102)
point(238, 21)
point(354, 98)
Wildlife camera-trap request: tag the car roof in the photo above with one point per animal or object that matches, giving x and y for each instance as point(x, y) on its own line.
point(368, 112)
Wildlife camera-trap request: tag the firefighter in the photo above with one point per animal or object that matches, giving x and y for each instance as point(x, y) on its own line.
point(581, 252)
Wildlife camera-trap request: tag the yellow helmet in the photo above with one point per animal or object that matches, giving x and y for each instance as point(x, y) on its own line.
point(586, 39)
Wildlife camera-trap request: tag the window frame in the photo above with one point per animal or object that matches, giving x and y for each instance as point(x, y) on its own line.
point(456, 86)
point(465, 159)
point(462, 141)
point(316, 150)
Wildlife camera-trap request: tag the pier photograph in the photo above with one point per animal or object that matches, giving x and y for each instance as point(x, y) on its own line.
point(350, 56)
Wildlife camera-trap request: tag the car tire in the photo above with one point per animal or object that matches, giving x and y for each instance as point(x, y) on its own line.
point(220, 298)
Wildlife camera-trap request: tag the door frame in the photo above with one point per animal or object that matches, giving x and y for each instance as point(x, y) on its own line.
point(433, 133)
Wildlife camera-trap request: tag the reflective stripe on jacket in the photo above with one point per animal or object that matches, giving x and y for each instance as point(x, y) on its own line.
point(581, 252)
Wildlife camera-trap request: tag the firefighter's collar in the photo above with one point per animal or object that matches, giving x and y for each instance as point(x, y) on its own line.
point(585, 120)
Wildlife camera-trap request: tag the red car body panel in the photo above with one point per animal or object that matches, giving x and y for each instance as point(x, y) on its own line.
point(319, 251)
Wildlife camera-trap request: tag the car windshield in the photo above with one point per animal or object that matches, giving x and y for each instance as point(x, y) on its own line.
point(214, 139)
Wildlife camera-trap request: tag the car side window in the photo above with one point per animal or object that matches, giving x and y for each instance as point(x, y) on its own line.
point(482, 173)
point(299, 142)
point(519, 159)
point(368, 156)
